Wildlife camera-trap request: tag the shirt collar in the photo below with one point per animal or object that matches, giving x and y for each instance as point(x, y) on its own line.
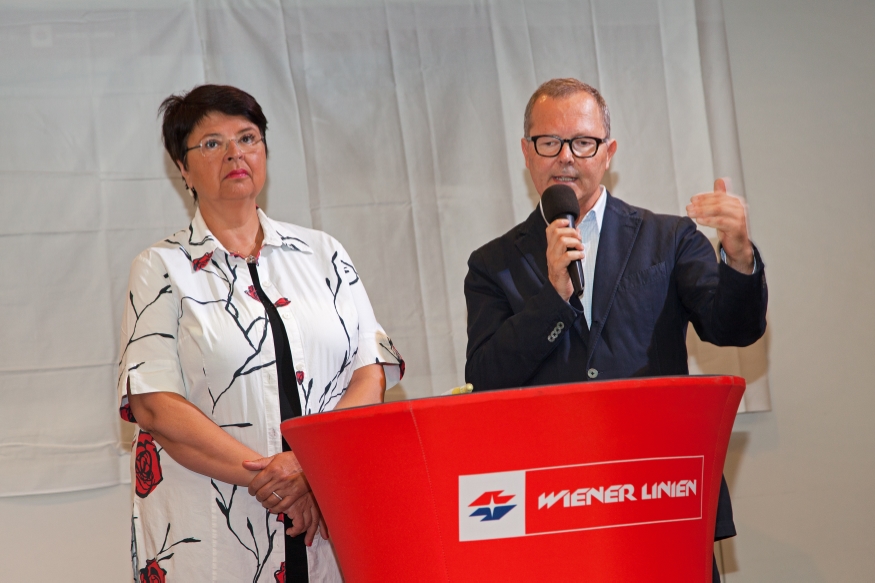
point(275, 235)
point(199, 235)
point(599, 209)
point(269, 228)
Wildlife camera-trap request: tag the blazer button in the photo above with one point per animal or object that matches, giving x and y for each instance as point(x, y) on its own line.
point(592, 373)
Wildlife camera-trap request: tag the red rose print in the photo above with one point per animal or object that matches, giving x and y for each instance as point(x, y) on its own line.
point(299, 375)
point(280, 575)
point(125, 413)
point(147, 465)
point(250, 291)
point(280, 517)
point(201, 261)
point(282, 302)
point(152, 572)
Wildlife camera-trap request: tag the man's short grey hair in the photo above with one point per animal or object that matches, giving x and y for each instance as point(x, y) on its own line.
point(560, 88)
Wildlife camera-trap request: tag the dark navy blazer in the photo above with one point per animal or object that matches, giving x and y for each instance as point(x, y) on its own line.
point(654, 274)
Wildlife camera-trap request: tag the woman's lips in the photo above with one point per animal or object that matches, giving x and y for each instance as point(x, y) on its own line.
point(237, 174)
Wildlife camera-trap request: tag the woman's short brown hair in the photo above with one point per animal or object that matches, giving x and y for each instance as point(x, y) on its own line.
point(181, 113)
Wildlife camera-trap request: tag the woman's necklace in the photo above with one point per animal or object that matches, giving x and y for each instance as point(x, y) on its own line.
point(249, 257)
point(253, 258)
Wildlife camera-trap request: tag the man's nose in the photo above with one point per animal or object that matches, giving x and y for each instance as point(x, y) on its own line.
point(565, 154)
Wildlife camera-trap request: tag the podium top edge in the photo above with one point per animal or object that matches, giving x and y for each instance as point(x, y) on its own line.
point(412, 405)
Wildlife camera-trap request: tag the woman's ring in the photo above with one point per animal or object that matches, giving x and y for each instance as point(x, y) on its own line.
point(278, 496)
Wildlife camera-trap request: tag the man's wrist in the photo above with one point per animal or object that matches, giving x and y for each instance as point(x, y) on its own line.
point(750, 268)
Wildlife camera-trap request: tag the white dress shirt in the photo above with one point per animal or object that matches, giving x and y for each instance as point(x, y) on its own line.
point(590, 229)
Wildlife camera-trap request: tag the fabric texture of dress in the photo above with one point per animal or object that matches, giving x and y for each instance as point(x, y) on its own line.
point(193, 325)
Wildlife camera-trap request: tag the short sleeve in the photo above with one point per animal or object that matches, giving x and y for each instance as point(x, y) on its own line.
point(374, 345)
point(149, 332)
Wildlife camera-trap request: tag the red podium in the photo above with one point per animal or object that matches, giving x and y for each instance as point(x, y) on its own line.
point(601, 481)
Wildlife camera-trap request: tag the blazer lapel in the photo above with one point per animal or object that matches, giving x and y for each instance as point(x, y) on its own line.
point(532, 244)
point(620, 226)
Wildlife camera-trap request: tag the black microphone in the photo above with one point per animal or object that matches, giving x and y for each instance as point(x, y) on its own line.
point(560, 202)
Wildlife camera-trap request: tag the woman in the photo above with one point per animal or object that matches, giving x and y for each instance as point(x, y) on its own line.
point(232, 325)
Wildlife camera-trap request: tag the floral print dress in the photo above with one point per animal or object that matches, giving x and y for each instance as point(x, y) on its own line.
point(193, 325)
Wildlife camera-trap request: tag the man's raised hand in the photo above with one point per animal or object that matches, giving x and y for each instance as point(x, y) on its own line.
point(727, 214)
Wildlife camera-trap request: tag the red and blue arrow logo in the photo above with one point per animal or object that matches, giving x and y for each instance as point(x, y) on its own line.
point(492, 505)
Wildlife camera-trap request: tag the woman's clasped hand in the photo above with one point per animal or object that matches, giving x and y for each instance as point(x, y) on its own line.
point(282, 488)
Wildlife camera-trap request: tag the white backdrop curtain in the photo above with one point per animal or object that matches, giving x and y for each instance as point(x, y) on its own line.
point(393, 125)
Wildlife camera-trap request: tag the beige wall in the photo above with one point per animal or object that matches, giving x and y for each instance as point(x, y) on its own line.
point(801, 475)
point(76, 537)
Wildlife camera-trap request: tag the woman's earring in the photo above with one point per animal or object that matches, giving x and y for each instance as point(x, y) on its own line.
point(191, 191)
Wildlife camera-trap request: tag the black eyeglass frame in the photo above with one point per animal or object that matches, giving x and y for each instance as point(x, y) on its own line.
point(598, 143)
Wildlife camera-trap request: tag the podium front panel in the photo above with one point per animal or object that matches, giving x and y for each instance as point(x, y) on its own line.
point(606, 481)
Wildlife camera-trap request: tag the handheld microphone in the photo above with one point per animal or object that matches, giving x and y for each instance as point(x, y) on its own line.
point(560, 202)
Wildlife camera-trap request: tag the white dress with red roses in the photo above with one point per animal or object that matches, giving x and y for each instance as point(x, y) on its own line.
point(193, 325)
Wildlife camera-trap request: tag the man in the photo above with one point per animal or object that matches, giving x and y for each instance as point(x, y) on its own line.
point(645, 275)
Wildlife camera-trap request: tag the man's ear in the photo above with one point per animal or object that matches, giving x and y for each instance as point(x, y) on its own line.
point(612, 149)
point(524, 144)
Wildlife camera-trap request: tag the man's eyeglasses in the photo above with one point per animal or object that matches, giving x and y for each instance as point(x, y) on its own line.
point(216, 146)
point(581, 146)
